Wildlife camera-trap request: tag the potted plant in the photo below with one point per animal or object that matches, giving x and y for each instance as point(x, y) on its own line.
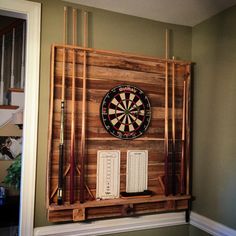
point(13, 177)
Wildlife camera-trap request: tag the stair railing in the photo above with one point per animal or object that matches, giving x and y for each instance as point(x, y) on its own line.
point(7, 83)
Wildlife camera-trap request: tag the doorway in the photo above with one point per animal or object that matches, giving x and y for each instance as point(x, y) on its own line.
point(12, 77)
point(31, 12)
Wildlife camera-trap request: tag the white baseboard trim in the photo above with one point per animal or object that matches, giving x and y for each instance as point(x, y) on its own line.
point(112, 226)
point(210, 226)
point(103, 227)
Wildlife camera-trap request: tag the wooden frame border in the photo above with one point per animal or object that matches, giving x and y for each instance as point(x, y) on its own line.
point(122, 54)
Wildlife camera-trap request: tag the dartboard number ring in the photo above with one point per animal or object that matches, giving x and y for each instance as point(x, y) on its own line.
point(125, 112)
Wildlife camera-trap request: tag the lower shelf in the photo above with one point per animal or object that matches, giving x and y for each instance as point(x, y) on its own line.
point(117, 208)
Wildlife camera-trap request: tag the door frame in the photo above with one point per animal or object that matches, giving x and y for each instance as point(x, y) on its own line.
point(30, 11)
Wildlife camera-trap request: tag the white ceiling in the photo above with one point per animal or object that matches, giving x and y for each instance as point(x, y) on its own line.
point(182, 12)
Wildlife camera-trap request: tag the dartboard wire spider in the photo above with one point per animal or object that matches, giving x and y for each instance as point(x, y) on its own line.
point(125, 112)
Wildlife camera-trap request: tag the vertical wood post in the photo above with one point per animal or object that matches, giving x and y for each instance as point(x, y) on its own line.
point(166, 119)
point(13, 59)
point(188, 112)
point(52, 70)
point(72, 150)
point(82, 145)
point(182, 172)
point(173, 131)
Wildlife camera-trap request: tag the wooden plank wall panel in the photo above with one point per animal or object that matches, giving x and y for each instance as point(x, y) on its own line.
point(105, 71)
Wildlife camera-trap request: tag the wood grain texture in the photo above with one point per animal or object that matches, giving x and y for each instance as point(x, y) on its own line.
point(115, 208)
point(104, 70)
point(72, 139)
point(188, 123)
point(166, 143)
point(183, 161)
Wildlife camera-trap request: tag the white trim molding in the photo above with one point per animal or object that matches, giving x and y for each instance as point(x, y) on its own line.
point(103, 227)
point(31, 11)
point(210, 226)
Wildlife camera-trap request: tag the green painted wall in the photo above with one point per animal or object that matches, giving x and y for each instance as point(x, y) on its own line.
point(107, 30)
point(214, 120)
point(211, 45)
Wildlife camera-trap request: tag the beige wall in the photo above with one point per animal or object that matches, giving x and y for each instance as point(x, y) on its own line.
point(10, 130)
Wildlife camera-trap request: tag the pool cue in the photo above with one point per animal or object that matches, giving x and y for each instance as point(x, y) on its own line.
point(61, 145)
point(82, 144)
point(72, 147)
point(182, 172)
point(173, 132)
point(187, 125)
point(166, 119)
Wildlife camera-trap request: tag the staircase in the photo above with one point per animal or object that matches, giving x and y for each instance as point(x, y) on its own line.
point(13, 113)
point(12, 72)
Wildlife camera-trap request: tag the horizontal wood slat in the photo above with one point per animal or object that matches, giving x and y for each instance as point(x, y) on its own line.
point(105, 70)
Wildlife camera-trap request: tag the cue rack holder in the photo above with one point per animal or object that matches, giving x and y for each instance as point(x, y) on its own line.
point(80, 77)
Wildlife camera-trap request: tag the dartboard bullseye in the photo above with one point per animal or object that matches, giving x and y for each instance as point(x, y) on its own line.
point(125, 112)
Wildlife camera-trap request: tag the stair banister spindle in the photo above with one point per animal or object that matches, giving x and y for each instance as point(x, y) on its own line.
point(12, 58)
point(2, 71)
point(22, 79)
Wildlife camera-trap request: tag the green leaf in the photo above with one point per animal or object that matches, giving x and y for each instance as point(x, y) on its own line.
point(14, 173)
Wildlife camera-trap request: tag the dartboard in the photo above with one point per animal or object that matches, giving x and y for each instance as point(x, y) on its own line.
point(125, 112)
